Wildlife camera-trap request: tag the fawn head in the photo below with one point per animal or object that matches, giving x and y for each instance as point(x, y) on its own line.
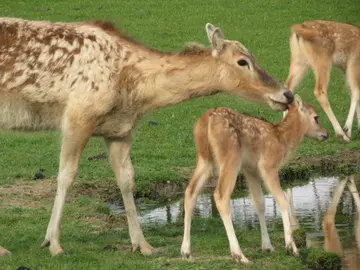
point(241, 75)
point(310, 120)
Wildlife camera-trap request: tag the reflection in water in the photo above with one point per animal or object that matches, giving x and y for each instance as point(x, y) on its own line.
point(350, 253)
point(310, 202)
point(317, 206)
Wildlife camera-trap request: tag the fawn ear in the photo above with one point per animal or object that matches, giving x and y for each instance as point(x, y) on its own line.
point(299, 103)
point(216, 38)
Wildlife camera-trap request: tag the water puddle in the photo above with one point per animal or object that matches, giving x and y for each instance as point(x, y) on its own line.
point(311, 204)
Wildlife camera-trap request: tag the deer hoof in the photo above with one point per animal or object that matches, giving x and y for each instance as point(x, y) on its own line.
point(268, 249)
point(344, 138)
point(56, 250)
point(347, 131)
point(240, 259)
point(187, 257)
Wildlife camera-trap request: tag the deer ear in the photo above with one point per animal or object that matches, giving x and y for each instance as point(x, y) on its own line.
point(298, 102)
point(216, 38)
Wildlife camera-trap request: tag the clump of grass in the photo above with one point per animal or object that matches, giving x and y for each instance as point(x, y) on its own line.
point(289, 173)
point(318, 259)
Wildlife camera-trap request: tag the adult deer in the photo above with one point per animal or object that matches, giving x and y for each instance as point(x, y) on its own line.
point(227, 141)
point(89, 79)
point(320, 45)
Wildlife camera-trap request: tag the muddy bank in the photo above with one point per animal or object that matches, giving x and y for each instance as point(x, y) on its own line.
point(299, 168)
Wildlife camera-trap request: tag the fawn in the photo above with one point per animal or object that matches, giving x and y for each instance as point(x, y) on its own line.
point(227, 141)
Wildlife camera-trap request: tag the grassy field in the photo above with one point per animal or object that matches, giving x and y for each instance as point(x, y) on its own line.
point(163, 152)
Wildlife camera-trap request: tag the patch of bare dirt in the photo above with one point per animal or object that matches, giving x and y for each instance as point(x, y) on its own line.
point(28, 194)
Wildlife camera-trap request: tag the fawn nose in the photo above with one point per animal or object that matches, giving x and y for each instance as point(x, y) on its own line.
point(324, 136)
point(289, 96)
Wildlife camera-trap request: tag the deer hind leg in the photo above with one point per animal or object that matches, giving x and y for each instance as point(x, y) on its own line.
point(352, 77)
point(293, 220)
point(271, 179)
point(228, 172)
point(75, 136)
point(253, 181)
point(322, 74)
point(201, 174)
point(119, 156)
point(298, 66)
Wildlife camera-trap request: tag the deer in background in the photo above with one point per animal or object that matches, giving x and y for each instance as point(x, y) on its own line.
point(227, 141)
point(321, 45)
point(87, 78)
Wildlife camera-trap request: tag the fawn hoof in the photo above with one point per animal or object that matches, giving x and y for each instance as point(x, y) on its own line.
point(4, 252)
point(240, 258)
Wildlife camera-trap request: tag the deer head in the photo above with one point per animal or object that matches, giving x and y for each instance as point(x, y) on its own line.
point(241, 75)
point(310, 120)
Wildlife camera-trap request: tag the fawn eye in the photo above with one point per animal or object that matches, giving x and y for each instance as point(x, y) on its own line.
point(243, 63)
point(316, 119)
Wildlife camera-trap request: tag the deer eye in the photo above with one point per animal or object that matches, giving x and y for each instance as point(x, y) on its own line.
point(243, 63)
point(316, 118)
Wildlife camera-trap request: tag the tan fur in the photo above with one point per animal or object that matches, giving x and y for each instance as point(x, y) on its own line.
point(321, 45)
point(228, 141)
point(87, 78)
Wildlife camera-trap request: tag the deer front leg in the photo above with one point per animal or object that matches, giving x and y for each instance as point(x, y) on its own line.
point(226, 182)
point(322, 74)
point(201, 174)
point(253, 181)
point(358, 116)
point(75, 136)
point(119, 156)
point(352, 76)
point(271, 179)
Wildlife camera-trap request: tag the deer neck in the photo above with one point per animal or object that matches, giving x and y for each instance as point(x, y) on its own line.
point(291, 130)
point(177, 78)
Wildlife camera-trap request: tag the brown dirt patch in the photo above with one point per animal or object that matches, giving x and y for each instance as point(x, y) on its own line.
point(33, 194)
point(28, 194)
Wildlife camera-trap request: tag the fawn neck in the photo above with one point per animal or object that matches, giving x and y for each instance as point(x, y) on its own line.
point(291, 129)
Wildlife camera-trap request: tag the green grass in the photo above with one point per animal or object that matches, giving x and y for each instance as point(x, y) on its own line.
point(162, 151)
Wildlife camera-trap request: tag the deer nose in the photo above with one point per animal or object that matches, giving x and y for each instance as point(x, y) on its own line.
point(289, 96)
